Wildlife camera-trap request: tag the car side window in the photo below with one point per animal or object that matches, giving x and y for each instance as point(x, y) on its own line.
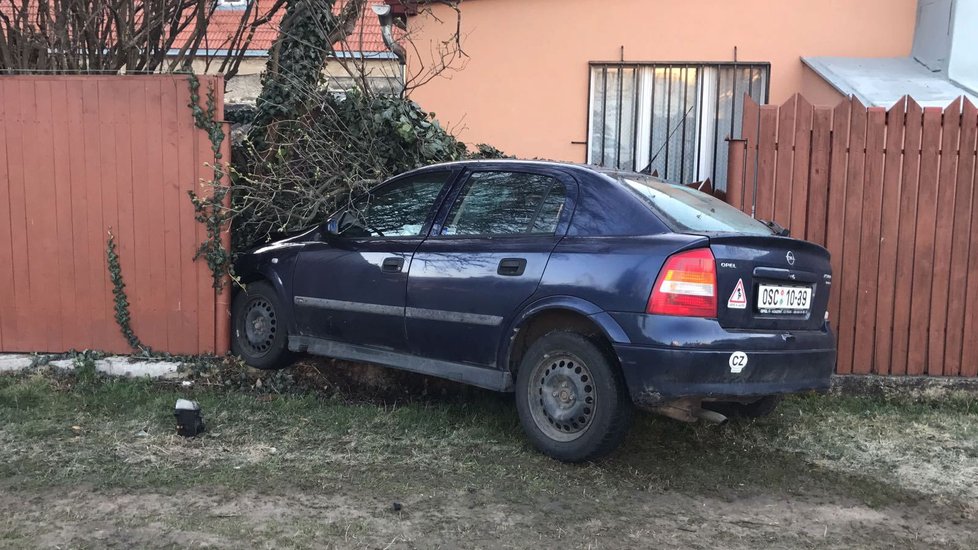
point(399, 209)
point(506, 203)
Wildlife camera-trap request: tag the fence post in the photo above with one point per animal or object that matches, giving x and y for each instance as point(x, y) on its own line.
point(736, 153)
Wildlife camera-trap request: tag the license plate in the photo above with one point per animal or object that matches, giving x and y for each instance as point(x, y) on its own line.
point(779, 299)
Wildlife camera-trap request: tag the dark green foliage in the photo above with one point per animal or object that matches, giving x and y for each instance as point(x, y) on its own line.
point(298, 57)
point(209, 209)
point(345, 145)
point(122, 317)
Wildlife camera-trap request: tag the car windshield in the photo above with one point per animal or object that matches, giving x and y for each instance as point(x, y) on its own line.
point(692, 211)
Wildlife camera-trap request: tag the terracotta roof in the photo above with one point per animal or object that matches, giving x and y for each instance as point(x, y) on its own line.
point(366, 37)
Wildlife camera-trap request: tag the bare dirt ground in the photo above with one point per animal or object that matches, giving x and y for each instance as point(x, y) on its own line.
point(222, 519)
point(93, 463)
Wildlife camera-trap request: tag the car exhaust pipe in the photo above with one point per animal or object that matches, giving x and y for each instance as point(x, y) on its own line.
point(710, 416)
point(690, 410)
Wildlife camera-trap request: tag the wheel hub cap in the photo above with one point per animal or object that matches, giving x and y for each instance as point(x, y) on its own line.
point(259, 325)
point(562, 397)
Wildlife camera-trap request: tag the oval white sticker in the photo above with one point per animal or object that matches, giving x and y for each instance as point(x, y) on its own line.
point(737, 361)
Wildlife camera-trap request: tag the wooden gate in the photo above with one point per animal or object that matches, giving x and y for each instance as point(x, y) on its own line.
point(890, 193)
point(80, 155)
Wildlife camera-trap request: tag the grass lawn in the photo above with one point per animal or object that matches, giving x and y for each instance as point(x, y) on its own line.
point(87, 461)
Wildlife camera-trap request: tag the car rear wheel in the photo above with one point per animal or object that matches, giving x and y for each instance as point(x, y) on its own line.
point(258, 334)
point(571, 398)
point(764, 406)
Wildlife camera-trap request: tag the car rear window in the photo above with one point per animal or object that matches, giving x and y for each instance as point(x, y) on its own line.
point(692, 211)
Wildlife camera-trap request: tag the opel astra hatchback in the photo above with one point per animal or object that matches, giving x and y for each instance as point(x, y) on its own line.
point(586, 292)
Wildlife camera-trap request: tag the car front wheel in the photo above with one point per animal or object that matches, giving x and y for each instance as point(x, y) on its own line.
point(571, 398)
point(258, 333)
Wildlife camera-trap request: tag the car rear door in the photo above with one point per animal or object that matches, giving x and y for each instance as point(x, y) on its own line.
point(351, 289)
point(485, 257)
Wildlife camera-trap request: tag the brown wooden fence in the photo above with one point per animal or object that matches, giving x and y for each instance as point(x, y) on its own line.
point(890, 193)
point(80, 155)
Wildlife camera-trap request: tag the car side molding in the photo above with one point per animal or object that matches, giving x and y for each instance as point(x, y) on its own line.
point(483, 377)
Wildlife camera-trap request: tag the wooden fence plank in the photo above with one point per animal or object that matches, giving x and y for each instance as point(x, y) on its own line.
point(781, 195)
point(110, 175)
point(869, 243)
point(84, 297)
point(8, 325)
point(95, 127)
point(69, 319)
point(800, 168)
point(751, 131)
point(889, 232)
point(178, 337)
point(969, 351)
point(42, 229)
point(855, 175)
point(187, 176)
point(766, 159)
point(156, 306)
point(909, 191)
point(942, 238)
point(736, 158)
point(205, 292)
point(837, 202)
point(818, 189)
point(920, 297)
point(139, 275)
point(20, 95)
point(959, 278)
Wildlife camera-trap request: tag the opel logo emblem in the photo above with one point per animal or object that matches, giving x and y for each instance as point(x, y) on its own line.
point(790, 256)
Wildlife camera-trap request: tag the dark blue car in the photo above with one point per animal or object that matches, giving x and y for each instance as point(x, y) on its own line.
point(587, 292)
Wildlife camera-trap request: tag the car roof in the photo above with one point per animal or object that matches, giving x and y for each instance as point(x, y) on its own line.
point(610, 172)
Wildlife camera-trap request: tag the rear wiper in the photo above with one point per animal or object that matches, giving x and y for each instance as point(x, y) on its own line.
point(776, 227)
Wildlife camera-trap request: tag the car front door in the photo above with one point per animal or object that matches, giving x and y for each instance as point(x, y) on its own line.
point(351, 287)
point(484, 258)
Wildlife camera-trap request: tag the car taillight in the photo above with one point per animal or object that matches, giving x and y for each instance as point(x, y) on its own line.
point(687, 285)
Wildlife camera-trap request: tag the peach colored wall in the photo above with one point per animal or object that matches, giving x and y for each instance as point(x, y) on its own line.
point(524, 86)
point(817, 90)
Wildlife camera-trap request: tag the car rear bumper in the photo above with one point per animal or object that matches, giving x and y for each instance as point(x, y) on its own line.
point(659, 374)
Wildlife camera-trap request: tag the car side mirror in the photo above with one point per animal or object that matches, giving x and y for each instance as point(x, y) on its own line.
point(332, 225)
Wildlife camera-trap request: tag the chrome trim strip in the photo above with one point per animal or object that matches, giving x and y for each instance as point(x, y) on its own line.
point(453, 316)
point(340, 305)
point(410, 312)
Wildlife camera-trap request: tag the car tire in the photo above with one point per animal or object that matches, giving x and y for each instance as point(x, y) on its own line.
point(571, 398)
point(764, 406)
point(258, 334)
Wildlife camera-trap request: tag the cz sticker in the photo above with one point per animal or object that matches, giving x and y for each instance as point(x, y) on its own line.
point(737, 361)
point(738, 298)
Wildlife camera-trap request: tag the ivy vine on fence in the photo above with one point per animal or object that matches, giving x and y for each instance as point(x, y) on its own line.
point(209, 208)
point(122, 317)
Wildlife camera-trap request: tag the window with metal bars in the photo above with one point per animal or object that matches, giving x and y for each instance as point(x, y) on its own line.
point(670, 118)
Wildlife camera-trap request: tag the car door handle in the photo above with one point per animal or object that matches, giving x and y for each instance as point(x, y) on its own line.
point(512, 267)
point(394, 264)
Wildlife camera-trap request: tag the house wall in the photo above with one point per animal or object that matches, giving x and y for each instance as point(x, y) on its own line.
point(246, 85)
point(524, 87)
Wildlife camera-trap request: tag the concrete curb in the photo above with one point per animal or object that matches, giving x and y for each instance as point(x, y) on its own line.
point(116, 365)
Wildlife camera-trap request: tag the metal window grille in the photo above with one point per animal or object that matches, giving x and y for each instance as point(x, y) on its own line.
point(670, 118)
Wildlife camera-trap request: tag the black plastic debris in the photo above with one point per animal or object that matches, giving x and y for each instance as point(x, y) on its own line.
point(190, 422)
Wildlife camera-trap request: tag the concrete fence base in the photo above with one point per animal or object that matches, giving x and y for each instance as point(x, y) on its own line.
point(116, 365)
